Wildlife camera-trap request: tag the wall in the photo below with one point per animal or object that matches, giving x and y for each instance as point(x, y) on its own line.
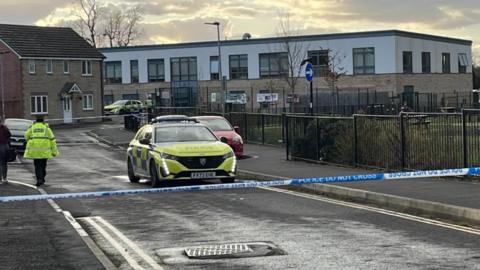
point(12, 83)
point(42, 83)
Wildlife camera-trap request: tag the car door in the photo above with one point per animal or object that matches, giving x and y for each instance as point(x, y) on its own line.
point(136, 151)
point(145, 149)
point(128, 106)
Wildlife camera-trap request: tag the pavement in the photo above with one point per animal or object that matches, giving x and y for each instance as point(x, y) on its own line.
point(34, 236)
point(453, 199)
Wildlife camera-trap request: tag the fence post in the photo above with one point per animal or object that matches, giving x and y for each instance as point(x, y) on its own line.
point(263, 128)
point(317, 135)
point(355, 142)
point(246, 126)
point(464, 140)
point(283, 127)
point(287, 142)
point(402, 140)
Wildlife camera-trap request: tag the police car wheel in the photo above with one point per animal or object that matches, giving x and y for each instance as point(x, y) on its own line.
point(154, 175)
point(131, 175)
point(228, 180)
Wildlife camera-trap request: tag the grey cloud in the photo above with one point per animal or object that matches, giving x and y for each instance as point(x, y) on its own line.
point(27, 11)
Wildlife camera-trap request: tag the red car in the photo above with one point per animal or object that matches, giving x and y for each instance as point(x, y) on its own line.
point(222, 128)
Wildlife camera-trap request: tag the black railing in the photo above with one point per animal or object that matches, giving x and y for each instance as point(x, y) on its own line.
point(409, 140)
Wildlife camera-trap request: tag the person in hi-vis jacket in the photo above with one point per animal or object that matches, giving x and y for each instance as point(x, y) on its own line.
point(41, 146)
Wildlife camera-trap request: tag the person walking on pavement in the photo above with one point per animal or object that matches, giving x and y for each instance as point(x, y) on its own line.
point(41, 146)
point(4, 145)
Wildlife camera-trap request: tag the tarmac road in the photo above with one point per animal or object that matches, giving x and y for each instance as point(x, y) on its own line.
point(150, 231)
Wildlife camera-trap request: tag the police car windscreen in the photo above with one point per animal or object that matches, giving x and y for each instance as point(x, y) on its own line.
point(183, 134)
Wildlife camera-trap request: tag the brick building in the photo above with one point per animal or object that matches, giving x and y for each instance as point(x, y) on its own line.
point(49, 71)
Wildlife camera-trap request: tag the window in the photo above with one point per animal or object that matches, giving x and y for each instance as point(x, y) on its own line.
point(407, 62)
point(238, 66)
point(319, 62)
point(426, 66)
point(184, 68)
point(445, 63)
point(273, 65)
point(363, 61)
point(66, 67)
point(156, 70)
point(31, 66)
point(462, 63)
point(134, 71)
point(86, 68)
point(39, 104)
point(49, 66)
point(214, 68)
point(113, 72)
point(88, 102)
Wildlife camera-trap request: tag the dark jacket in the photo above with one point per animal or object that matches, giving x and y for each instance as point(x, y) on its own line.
point(4, 134)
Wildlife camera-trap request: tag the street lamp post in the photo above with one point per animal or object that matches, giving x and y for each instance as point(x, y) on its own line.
point(220, 77)
point(2, 57)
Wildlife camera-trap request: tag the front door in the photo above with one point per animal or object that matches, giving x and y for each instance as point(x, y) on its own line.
point(67, 110)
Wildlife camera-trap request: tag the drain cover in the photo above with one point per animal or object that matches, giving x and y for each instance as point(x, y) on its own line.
point(235, 250)
point(212, 251)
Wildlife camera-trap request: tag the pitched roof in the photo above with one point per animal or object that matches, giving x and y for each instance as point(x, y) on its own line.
point(47, 42)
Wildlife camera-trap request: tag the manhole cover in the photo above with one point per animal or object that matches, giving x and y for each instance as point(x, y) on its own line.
point(212, 251)
point(234, 250)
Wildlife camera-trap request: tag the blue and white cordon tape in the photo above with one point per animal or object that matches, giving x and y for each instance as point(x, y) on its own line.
point(252, 184)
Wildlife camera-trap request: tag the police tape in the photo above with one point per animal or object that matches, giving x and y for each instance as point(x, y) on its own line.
point(251, 184)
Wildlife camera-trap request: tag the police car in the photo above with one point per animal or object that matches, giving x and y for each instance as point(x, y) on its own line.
point(179, 148)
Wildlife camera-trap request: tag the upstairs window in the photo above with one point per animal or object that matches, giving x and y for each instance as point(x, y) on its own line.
point(214, 68)
point(86, 68)
point(273, 65)
point(66, 67)
point(156, 70)
point(49, 66)
point(113, 72)
point(462, 63)
point(319, 62)
point(445, 63)
point(134, 71)
point(426, 65)
point(32, 67)
point(184, 68)
point(363, 61)
point(407, 62)
point(239, 67)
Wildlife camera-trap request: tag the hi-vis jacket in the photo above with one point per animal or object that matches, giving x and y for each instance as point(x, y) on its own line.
point(40, 142)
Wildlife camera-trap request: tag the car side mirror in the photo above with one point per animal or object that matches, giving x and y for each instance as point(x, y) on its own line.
point(145, 141)
point(224, 140)
point(236, 128)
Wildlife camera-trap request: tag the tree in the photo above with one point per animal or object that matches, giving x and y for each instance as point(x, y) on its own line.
point(334, 71)
point(88, 13)
point(295, 52)
point(95, 22)
point(122, 27)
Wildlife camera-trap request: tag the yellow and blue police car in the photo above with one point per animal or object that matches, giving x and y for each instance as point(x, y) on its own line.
point(179, 148)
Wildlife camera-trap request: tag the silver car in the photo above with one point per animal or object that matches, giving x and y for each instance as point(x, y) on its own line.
point(18, 127)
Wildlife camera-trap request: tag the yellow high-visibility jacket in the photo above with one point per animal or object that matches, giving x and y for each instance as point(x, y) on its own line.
point(40, 142)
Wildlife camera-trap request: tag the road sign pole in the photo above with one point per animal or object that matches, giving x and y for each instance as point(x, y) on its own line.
point(311, 97)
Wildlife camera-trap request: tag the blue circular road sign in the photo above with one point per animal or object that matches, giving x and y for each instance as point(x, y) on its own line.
point(309, 72)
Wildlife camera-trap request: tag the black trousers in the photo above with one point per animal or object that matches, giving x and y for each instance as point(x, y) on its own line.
point(40, 169)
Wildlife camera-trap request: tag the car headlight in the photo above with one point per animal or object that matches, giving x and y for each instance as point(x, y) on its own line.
point(237, 139)
point(168, 156)
point(228, 155)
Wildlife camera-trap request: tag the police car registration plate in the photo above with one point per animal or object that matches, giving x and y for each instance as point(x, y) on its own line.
point(201, 175)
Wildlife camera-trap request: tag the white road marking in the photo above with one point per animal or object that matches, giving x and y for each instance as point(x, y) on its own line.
point(21, 183)
point(378, 210)
point(130, 243)
point(133, 263)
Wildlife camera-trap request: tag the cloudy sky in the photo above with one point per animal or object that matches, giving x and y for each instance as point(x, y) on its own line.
point(168, 21)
